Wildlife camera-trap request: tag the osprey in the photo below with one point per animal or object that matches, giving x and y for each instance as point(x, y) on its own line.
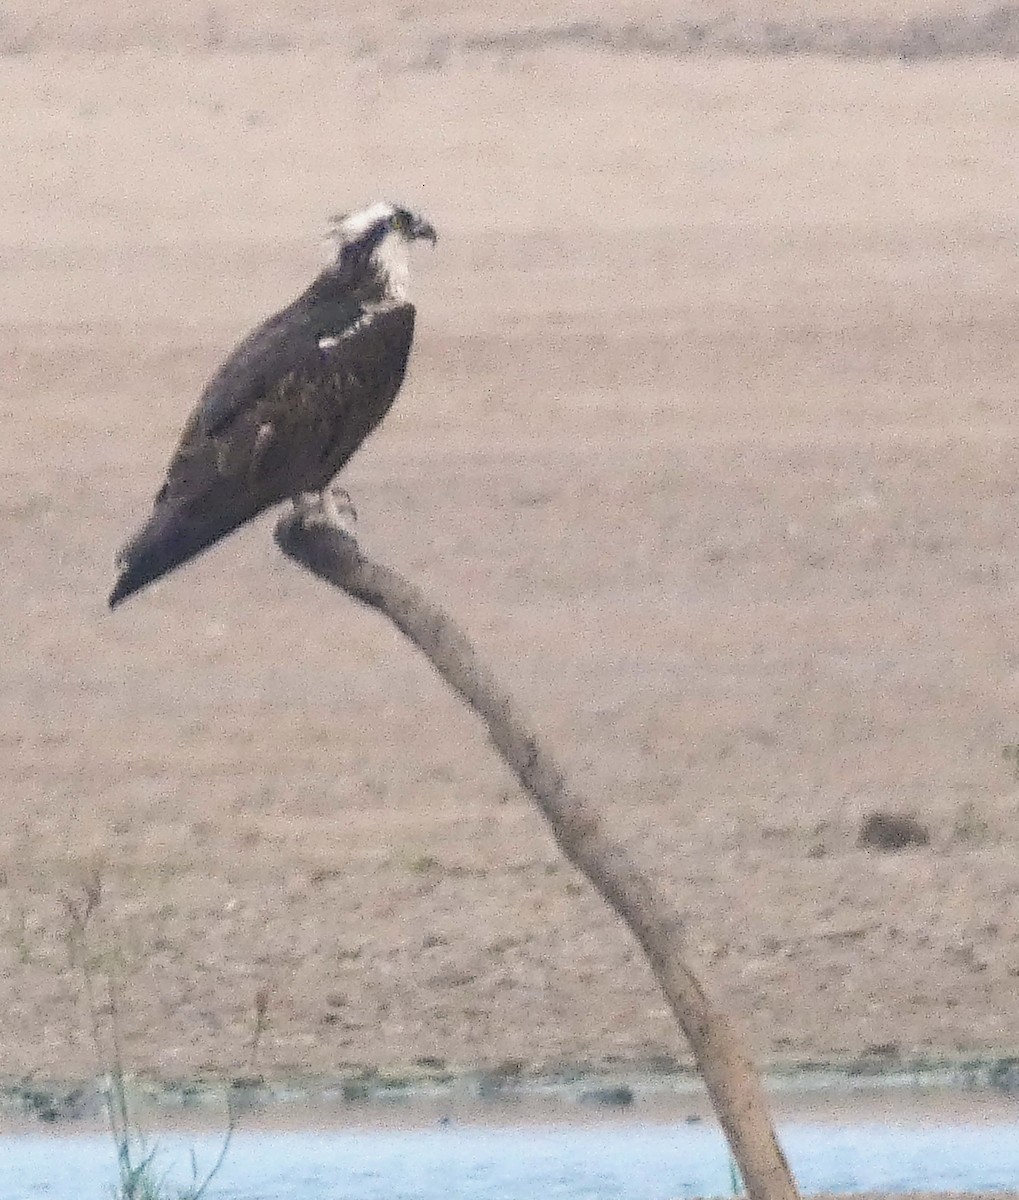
point(292, 403)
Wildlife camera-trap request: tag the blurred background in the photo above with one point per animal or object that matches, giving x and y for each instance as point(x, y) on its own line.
point(708, 440)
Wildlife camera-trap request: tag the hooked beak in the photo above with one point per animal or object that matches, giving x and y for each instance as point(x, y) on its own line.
point(421, 229)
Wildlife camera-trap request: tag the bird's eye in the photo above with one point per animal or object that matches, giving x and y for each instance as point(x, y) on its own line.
point(401, 221)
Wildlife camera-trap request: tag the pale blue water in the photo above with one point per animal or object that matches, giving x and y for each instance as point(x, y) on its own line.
point(617, 1162)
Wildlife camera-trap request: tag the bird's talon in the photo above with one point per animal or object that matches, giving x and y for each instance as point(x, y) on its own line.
point(338, 508)
point(343, 504)
point(331, 508)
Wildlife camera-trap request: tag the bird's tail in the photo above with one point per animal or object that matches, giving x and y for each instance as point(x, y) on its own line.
point(170, 538)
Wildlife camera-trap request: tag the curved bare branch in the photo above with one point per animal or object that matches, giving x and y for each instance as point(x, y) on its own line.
point(311, 537)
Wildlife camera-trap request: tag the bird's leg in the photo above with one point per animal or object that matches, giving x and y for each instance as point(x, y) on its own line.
point(305, 503)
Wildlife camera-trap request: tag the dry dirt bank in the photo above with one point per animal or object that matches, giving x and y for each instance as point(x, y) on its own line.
point(710, 441)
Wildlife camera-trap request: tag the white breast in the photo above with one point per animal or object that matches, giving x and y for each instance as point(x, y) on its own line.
point(394, 261)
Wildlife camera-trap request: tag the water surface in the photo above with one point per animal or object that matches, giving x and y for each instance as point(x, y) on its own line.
point(616, 1162)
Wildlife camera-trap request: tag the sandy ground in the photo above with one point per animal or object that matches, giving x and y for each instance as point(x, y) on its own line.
point(710, 443)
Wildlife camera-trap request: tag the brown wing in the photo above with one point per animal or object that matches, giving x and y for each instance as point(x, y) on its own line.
point(284, 413)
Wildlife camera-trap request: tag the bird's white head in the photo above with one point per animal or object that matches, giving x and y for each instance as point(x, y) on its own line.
point(374, 241)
